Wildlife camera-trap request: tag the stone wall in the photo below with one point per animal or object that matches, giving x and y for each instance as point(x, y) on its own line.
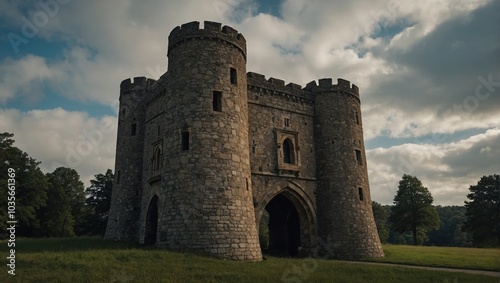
point(277, 112)
point(208, 191)
point(274, 114)
point(345, 218)
point(154, 140)
point(124, 211)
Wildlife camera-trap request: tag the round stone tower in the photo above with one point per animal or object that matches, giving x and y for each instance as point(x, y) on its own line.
point(124, 210)
point(346, 225)
point(207, 182)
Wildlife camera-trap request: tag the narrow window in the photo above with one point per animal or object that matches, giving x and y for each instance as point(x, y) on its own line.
point(118, 177)
point(217, 101)
point(160, 160)
point(358, 157)
point(157, 160)
point(286, 121)
point(357, 117)
point(133, 129)
point(288, 151)
point(185, 140)
point(234, 77)
point(360, 191)
point(158, 129)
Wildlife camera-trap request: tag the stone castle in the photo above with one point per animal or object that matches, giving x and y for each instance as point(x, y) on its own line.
point(207, 149)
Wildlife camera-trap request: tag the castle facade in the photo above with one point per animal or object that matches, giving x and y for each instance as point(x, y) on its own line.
point(208, 149)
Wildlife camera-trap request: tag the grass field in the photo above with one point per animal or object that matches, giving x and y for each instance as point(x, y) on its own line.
point(94, 260)
point(466, 258)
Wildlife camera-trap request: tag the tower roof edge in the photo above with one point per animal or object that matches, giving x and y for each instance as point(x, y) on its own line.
point(210, 30)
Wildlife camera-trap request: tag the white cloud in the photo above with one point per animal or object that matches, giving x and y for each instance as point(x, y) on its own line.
point(390, 121)
point(61, 138)
point(25, 77)
point(411, 82)
point(447, 170)
point(106, 43)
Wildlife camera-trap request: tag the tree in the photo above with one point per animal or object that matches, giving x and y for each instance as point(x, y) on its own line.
point(483, 212)
point(413, 210)
point(30, 186)
point(381, 215)
point(56, 217)
point(460, 238)
point(63, 215)
point(450, 218)
point(98, 203)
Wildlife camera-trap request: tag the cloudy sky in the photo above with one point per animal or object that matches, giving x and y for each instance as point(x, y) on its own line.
point(428, 72)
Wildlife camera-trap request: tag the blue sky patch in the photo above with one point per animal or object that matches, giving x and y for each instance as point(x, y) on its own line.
point(271, 7)
point(389, 30)
point(94, 109)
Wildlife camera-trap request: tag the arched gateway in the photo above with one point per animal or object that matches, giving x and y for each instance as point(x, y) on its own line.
point(283, 226)
point(290, 220)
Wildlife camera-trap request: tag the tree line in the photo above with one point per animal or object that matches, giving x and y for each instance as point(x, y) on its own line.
point(57, 204)
point(412, 219)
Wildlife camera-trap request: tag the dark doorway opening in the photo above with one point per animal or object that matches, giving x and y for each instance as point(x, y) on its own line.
point(151, 222)
point(284, 227)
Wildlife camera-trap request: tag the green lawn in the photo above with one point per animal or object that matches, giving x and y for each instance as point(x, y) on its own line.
point(94, 260)
point(468, 258)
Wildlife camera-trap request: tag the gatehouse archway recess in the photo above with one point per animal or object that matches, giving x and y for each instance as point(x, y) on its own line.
point(151, 222)
point(284, 227)
point(290, 223)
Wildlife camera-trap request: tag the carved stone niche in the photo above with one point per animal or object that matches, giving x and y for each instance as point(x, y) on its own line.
point(288, 152)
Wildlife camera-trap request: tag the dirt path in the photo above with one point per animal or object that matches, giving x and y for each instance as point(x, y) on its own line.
point(472, 271)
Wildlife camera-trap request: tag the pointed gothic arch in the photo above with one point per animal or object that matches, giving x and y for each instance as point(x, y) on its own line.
point(292, 222)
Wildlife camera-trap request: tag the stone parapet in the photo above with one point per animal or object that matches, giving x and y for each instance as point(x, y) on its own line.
point(278, 87)
point(212, 30)
point(327, 85)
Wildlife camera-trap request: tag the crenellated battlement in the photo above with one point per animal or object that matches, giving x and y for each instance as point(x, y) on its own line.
point(276, 85)
point(211, 30)
point(327, 84)
point(136, 83)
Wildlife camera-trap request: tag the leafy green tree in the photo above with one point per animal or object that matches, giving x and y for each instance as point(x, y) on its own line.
point(30, 186)
point(450, 217)
point(413, 210)
point(483, 212)
point(57, 220)
point(98, 203)
point(400, 239)
point(381, 215)
point(460, 238)
point(64, 212)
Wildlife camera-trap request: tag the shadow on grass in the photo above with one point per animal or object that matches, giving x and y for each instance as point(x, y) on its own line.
point(29, 245)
